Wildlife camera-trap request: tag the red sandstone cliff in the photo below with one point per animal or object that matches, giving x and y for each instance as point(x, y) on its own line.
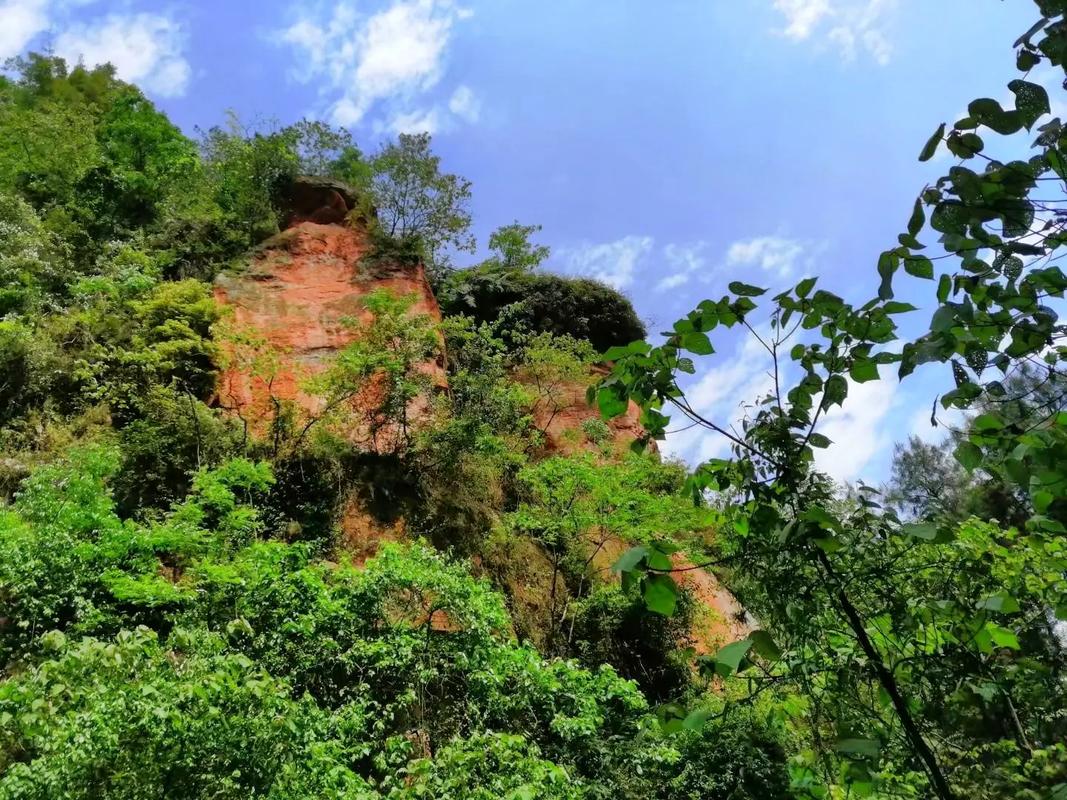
point(300, 301)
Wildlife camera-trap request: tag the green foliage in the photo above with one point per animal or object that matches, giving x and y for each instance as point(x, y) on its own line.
point(578, 509)
point(735, 757)
point(610, 626)
point(900, 674)
point(245, 170)
point(22, 381)
point(242, 634)
point(487, 767)
point(638, 498)
point(418, 205)
point(135, 718)
point(540, 302)
point(172, 436)
point(380, 374)
point(29, 257)
point(512, 249)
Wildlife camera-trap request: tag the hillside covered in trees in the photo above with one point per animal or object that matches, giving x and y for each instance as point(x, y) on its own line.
point(295, 504)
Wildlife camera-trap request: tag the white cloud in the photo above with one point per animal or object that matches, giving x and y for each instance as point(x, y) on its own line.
point(725, 395)
point(729, 390)
point(392, 58)
point(422, 121)
point(683, 261)
point(614, 263)
point(856, 429)
point(672, 281)
point(22, 20)
point(802, 16)
point(465, 105)
point(851, 26)
point(146, 49)
point(776, 255)
point(680, 263)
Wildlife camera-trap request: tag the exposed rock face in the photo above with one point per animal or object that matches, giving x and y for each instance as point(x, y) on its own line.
point(298, 298)
point(301, 292)
point(315, 199)
point(564, 417)
point(719, 618)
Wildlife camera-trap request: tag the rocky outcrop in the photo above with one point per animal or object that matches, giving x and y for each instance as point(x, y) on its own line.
point(299, 301)
point(571, 424)
point(316, 199)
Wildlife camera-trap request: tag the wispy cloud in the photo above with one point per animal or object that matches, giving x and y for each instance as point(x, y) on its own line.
point(850, 26)
point(146, 49)
point(676, 264)
point(778, 256)
point(22, 21)
point(857, 429)
point(615, 263)
point(725, 393)
point(685, 261)
point(387, 62)
point(732, 384)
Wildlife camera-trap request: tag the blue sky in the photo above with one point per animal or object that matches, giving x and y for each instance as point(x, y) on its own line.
point(666, 146)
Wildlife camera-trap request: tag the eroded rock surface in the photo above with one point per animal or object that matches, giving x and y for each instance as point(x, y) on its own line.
point(302, 295)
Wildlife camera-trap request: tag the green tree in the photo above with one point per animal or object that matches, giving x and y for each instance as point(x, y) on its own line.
point(416, 202)
point(821, 574)
point(511, 248)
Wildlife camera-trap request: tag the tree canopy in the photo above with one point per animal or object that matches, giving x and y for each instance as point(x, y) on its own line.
point(351, 599)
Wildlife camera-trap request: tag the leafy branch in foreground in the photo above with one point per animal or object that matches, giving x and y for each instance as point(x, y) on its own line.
point(861, 604)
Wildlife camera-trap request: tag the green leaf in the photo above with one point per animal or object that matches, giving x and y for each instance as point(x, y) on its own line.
point(944, 287)
point(698, 343)
point(918, 218)
point(919, 266)
point(987, 422)
point(728, 659)
point(968, 455)
point(745, 289)
point(1001, 602)
point(659, 560)
point(1026, 37)
point(860, 747)
point(835, 391)
point(763, 643)
point(927, 531)
point(828, 544)
point(695, 720)
point(1002, 637)
point(887, 266)
point(1031, 101)
point(805, 286)
point(661, 594)
point(820, 441)
point(610, 403)
point(1056, 162)
point(863, 370)
point(896, 307)
point(1042, 500)
point(931, 144)
point(630, 559)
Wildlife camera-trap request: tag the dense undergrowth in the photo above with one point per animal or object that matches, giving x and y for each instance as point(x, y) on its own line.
point(181, 613)
point(179, 616)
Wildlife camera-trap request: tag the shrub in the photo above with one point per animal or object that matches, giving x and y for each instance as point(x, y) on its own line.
point(734, 758)
point(131, 718)
point(580, 307)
